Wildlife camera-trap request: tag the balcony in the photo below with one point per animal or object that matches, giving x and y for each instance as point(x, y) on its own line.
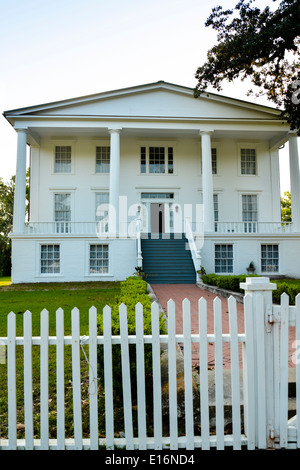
point(101, 229)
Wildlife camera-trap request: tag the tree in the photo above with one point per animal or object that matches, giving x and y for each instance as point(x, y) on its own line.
point(261, 45)
point(7, 191)
point(286, 212)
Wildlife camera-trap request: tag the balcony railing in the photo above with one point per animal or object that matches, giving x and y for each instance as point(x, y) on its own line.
point(247, 228)
point(98, 229)
point(129, 229)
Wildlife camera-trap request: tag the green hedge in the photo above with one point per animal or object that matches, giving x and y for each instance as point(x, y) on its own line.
point(133, 290)
point(225, 282)
point(232, 283)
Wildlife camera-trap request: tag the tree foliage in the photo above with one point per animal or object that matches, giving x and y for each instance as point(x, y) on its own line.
point(262, 45)
point(7, 191)
point(286, 212)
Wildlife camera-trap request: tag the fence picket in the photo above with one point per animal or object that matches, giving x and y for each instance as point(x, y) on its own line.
point(204, 403)
point(125, 361)
point(11, 379)
point(172, 372)
point(188, 379)
point(60, 379)
point(219, 387)
point(284, 356)
point(235, 374)
point(93, 385)
point(44, 373)
point(108, 382)
point(249, 377)
point(76, 381)
point(28, 401)
point(140, 375)
point(157, 408)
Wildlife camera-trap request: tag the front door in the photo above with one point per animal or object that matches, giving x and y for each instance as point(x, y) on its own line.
point(157, 214)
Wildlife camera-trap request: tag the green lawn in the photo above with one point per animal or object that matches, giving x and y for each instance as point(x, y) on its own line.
point(36, 297)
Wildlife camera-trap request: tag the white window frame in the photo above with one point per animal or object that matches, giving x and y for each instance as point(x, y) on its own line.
point(226, 244)
point(88, 259)
point(64, 143)
point(46, 274)
point(272, 271)
point(248, 146)
point(166, 145)
point(103, 145)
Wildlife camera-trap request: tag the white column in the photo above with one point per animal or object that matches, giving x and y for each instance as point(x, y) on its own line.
point(207, 182)
point(114, 180)
point(295, 181)
point(20, 184)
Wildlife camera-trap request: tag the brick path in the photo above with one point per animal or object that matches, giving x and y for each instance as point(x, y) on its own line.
point(178, 292)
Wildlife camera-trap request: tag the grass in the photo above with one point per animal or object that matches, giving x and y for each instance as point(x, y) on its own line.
point(36, 297)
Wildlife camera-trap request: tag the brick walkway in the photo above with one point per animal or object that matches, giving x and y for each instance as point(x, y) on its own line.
point(178, 292)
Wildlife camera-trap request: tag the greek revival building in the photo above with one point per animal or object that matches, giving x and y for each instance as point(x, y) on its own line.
point(151, 177)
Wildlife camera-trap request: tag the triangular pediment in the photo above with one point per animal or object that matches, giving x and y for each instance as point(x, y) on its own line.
point(160, 99)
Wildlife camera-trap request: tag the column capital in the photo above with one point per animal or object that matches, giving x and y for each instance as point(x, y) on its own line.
point(209, 132)
point(117, 130)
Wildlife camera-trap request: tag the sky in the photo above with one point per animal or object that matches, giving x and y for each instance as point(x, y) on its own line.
point(53, 50)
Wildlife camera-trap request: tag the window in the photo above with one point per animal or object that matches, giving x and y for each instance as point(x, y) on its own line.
point(63, 159)
point(102, 159)
point(62, 212)
point(99, 259)
point(269, 258)
point(248, 161)
point(216, 210)
point(214, 160)
point(249, 212)
point(157, 160)
point(223, 258)
point(102, 201)
point(157, 195)
point(50, 259)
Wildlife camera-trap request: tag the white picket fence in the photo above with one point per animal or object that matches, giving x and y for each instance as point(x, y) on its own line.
point(259, 413)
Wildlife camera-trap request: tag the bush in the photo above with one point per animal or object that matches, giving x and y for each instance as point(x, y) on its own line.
point(232, 283)
point(225, 282)
point(133, 290)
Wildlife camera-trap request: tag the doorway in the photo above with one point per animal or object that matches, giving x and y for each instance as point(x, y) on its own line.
point(157, 215)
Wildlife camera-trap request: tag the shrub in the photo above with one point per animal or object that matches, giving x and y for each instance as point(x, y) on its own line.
point(133, 290)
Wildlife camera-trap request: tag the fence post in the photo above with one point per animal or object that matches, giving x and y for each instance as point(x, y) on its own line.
point(260, 289)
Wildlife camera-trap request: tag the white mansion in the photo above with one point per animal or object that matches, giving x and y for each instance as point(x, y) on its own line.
point(112, 171)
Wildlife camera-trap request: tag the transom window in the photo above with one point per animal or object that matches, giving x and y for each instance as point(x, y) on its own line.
point(157, 195)
point(269, 258)
point(63, 158)
point(157, 160)
point(248, 161)
point(99, 259)
point(50, 259)
point(102, 159)
point(223, 258)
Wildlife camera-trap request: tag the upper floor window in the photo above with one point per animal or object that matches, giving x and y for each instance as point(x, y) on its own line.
point(157, 160)
point(214, 160)
point(62, 212)
point(249, 212)
point(102, 159)
point(248, 161)
point(63, 158)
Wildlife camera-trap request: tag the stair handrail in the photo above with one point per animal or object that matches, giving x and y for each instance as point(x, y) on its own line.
point(139, 244)
point(192, 245)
